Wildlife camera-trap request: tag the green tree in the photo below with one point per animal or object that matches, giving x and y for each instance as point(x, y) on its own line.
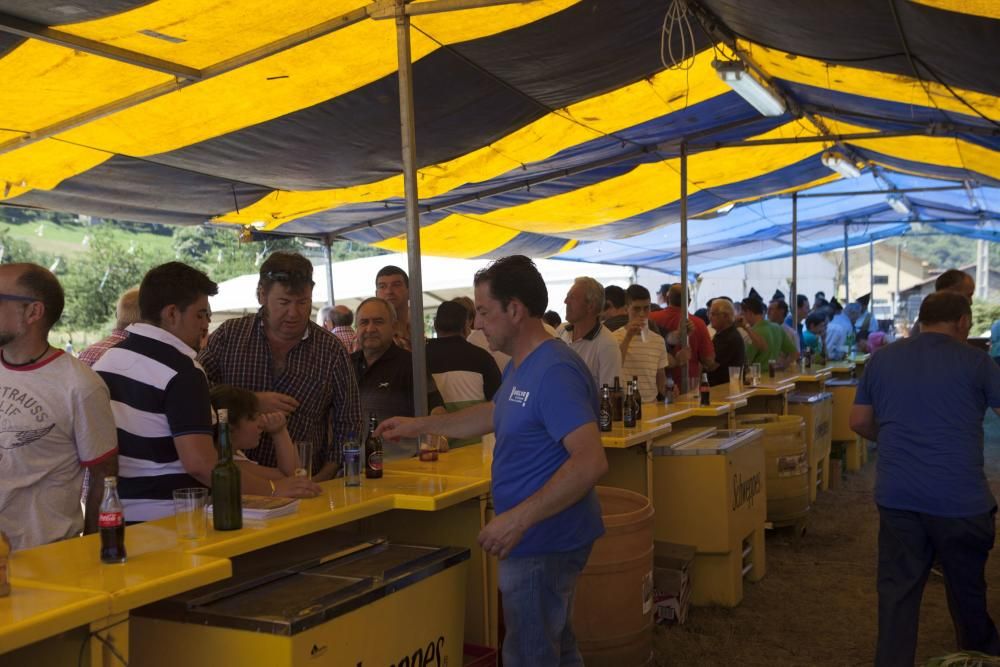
point(13, 250)
point(983, 316)
point(93, 284)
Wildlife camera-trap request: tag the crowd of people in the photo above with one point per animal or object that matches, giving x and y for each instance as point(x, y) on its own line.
point(140, 404)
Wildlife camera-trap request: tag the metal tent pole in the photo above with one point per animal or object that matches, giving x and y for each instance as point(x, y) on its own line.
point(847, 270)
point(409, 150)
point(871, 274)
point(793, 300)
point(682, 329)
point(327, 242)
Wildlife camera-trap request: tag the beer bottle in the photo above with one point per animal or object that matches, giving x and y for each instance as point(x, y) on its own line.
point(704, 389)
point(668, 393)
point(604, 414)
point(617, 401)
point(628, 408)
point(638, 398)
point(227, 508)
point(111, 524)
point(373, 450)
point(4, 565)
point(809, 357)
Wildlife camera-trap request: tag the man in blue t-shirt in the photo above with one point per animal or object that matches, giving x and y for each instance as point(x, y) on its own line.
point(923, 400)
point(548, 458)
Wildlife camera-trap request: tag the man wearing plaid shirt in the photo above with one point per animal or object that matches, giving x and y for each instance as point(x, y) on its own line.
point(292, 363)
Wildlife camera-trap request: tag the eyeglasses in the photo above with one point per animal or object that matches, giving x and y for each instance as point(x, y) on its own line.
point(286, 276)
point(17, 297)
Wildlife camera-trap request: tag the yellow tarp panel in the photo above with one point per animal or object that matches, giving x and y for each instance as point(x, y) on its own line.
point(640, 102)
point(988, 8)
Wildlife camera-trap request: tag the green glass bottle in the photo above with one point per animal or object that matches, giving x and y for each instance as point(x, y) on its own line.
point(227, 508)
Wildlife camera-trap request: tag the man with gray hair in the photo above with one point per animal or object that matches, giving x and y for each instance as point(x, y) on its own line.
point(730, 350)
point(584, 332)
point(126, 314)
point(342, 319)
point(385, 370)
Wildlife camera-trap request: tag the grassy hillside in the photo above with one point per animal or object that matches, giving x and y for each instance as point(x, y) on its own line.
point(62, 240)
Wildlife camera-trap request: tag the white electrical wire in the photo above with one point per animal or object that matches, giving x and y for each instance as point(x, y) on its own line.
point(677, 19)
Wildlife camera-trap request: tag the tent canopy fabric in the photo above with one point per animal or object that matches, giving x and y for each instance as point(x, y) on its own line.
point(542, 128)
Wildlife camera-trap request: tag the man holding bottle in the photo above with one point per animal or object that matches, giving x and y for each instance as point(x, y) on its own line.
point(548, 458)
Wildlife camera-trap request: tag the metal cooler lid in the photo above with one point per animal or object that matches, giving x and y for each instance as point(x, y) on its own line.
point(800, 397)
point(723, 442)
point(292, 587)
point(842, 382)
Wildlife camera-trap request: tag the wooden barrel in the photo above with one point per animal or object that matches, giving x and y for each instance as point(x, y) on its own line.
point(612, 610)
point(787, 464)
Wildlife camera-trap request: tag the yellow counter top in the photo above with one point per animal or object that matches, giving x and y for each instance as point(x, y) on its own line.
point(33, 612)
point(469, 461)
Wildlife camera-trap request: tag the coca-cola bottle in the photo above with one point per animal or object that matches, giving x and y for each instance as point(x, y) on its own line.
point(111, 524)
point(704, 390)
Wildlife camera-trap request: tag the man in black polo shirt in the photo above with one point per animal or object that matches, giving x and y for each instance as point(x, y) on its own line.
point(385, 372)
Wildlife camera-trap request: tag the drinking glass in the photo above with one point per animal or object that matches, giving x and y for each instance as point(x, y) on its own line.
point(755, 375)
point(304, 449)
point(735, 379)
point(189, 511)
point(430, 445)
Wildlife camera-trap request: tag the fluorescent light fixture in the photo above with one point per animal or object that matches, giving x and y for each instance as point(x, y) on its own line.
point(899, 204)
point(759, 96)
point(838, 163)
point(726, 208)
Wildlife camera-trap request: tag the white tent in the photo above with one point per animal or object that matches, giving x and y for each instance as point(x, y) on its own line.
point(443, 279)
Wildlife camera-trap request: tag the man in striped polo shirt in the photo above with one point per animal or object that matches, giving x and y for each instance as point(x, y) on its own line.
point(644, 353)
point(160, 400)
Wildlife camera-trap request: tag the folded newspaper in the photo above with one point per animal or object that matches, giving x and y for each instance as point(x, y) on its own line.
point(260, 508)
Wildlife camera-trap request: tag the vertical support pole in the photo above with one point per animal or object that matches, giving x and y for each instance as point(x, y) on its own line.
point(634, 278)
point(871, 274)
point(327, 242)
point(409, 151)
point(682, 330)
point(847, 270)
point(793, 301)
point(896, 299)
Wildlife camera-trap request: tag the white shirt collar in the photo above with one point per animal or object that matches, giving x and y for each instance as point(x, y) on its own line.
point(162, 335)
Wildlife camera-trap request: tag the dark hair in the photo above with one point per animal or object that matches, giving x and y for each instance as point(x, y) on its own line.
point(341, 318)
point(515, 277)
point(949, 280)
point(944, 307)
point(450, 318)
point(287, 268)
point(636, 293)
point(664, 288)
point(702, 314)
point(390, 270)
point(241, 403)
point(552, 318)
point(814, 318)
point(44, 286)
point(802, 300)
point(173, 283)
point(470, 307)
point(782, 306)
point(614, 296)
point(755, 306)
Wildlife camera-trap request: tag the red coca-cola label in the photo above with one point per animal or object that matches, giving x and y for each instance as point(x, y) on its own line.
point(110, 519)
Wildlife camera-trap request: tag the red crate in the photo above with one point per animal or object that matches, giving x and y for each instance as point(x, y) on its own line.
point(479, 656)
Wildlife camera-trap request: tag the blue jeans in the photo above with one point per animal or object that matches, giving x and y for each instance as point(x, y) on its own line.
point(537, 604)
point(908, 543)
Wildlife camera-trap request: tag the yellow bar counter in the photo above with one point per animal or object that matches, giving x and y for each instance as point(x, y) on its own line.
point(62, 586)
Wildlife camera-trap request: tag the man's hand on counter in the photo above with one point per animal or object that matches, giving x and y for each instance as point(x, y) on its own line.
point(296, 487)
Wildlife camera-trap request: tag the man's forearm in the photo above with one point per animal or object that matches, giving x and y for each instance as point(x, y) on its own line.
point(473, 421)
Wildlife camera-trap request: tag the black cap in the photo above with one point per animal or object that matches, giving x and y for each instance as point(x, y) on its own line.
point(835, 304)
point(754, 294)
point(864, 300)
point(778, 295)
point(754, 305)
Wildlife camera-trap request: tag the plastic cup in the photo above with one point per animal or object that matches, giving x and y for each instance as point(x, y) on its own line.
point(430, 445)
point(735, 379)
point(693, 383)
point(189, 511)
point(755, 374)
point(304, 448)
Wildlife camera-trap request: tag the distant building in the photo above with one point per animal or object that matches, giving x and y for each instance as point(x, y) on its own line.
point(889, 281)
point(912, 298)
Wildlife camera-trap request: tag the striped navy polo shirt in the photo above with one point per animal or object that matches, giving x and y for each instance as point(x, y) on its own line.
point(158, 392)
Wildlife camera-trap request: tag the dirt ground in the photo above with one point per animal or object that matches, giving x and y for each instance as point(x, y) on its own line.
point(817, 605)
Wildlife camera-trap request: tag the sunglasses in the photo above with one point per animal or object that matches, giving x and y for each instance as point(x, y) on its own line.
point(286, 276)
point(17, 297)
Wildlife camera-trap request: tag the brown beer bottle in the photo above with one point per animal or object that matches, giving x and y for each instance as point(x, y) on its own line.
point(111, 523)
point(604, 413)
point(628, 408)
point(638, 398)
point(373, 450)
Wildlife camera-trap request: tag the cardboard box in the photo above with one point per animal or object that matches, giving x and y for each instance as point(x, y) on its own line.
point(671, 581)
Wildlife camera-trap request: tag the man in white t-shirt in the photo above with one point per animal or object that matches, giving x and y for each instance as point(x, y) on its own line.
point(584, 332)
point(55, 418)
point(644, 353)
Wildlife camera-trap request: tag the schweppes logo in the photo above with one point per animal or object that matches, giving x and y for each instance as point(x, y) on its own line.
point(744, 491)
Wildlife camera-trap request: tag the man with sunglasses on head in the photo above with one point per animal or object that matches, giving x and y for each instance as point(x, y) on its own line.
point(55, 418)
point(293, 364)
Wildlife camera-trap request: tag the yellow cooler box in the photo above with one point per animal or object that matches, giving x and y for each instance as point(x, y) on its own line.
point(816, 410)
point(710, 491)
point(309, 603)
point(843, 391)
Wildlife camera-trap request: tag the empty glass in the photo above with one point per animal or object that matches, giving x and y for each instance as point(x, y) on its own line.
point(304, 449)
point(189, 511)
point(755, 375)
point(430, 445)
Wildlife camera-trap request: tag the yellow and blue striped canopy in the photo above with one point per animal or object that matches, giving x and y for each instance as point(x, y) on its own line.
point(542, 128)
